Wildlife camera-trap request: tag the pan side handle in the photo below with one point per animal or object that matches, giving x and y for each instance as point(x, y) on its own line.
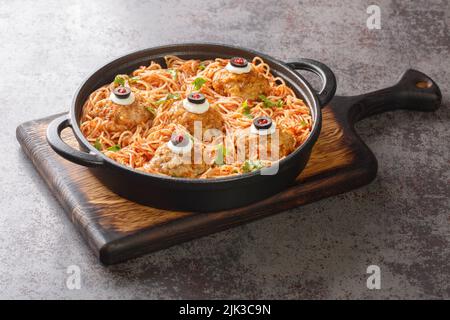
point(55, 141)
point(414, 91)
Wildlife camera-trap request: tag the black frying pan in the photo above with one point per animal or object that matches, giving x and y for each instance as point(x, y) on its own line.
point(193, 194)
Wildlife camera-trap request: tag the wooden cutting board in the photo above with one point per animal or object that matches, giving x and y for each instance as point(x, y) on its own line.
point(117, 229)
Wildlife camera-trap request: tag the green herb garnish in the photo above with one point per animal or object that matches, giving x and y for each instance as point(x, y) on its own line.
point(246, 110)
point(269, 103)
point(303, 123)
point(173, 96)
point(198, 83)
point(202, 67)
point(151, 110)
point(173, 73)
point(134, 79)
point(114, 148)
point(98, 145)
point(251, 165)
point(170, 96)
point(119, 80)
point(160, 101)
point(221, 154)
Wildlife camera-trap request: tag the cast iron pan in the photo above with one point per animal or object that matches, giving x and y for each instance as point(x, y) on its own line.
point(193, 194)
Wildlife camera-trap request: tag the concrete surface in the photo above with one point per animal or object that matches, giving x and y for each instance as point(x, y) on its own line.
point(400, 222)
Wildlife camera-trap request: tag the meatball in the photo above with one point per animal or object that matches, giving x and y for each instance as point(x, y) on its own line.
point(247, 85)
point(119, 117)
point(286, 145)
point(176, 165)
point(129, 116)
point(211, 119)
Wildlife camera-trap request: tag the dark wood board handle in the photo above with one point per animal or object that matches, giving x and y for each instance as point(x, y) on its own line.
point(414, 91)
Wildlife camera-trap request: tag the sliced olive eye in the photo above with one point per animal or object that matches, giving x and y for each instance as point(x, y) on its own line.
point(179, 139)
point(238, 62)
point(122, 92)
point(262, 122)
point(196, 98)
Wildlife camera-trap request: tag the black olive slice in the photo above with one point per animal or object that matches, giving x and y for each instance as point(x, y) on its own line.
point(238, 62)
point(122, 92)
point(263, 122)
point(196, 98)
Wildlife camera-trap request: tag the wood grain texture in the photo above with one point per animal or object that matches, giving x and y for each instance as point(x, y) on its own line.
point(117, 229)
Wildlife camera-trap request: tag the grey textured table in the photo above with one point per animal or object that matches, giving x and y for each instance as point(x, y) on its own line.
point(400, 222)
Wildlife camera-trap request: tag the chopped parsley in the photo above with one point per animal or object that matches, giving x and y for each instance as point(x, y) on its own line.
point(170, 96)
point(221, 154)
point(202, 67)
point(119, 80)
point(173, 73)
point(151, 110)
point(134, 79)
point(98, 145)
point(280, 103)
point(173, 96)
point(246, 110)
point(251, 165)
point(114, 148)
point(269, 103)
point(303, 123)
point(198, 83)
